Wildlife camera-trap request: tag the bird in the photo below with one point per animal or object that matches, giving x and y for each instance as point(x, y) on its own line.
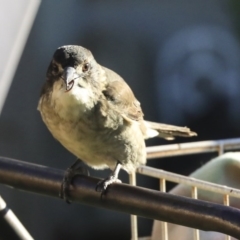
point(94, 114)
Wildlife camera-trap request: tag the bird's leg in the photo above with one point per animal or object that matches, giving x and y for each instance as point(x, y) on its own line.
point(113, 178)
point(74, 170)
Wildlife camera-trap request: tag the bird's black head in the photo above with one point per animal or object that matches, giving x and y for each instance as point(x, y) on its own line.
point(69, 56)
point(69, 63)
point(72, 56)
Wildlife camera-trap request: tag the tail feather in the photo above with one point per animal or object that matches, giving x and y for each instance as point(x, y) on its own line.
point(168, 131)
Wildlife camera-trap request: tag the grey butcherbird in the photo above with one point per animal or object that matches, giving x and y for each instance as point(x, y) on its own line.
point(93, 113)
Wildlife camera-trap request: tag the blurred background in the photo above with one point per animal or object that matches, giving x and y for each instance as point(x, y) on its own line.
point(180, 57)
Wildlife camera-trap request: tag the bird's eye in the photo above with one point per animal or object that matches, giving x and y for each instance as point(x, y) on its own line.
point(85, 67)
point(54, 68)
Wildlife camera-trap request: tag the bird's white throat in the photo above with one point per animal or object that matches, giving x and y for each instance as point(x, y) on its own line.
point(71, 104)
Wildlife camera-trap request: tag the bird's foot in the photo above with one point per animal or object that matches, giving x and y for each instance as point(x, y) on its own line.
point(103, 184)
point(113, 178)
point(71, 172)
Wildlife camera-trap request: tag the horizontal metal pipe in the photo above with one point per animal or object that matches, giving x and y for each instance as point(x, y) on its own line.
point(177, 178)
point(124, 198)
point(192, 148)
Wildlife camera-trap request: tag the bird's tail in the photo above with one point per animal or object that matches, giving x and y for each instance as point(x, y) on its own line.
point(167, 131)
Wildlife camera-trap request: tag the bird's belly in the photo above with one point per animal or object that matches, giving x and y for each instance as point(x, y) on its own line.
point(85, 144)
point(99, 148)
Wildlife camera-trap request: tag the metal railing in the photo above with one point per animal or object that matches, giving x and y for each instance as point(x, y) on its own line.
point(125, 198)
point(218, 146)
point(137, 200)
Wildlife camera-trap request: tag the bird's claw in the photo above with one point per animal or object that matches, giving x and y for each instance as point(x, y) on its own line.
point(103, 184)
point(69, 175)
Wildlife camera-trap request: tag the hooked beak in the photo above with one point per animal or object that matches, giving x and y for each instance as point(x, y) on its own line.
point(69, 75)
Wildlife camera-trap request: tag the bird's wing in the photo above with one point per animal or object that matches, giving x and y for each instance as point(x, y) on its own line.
point(121, 97)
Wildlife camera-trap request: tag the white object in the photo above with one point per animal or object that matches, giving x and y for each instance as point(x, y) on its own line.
point(16, 19)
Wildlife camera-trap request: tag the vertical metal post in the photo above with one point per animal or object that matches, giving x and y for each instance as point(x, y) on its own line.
point(164, 226)
point(195, 196)
point(134, 225)
point(226, 203)
point(221, 149)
